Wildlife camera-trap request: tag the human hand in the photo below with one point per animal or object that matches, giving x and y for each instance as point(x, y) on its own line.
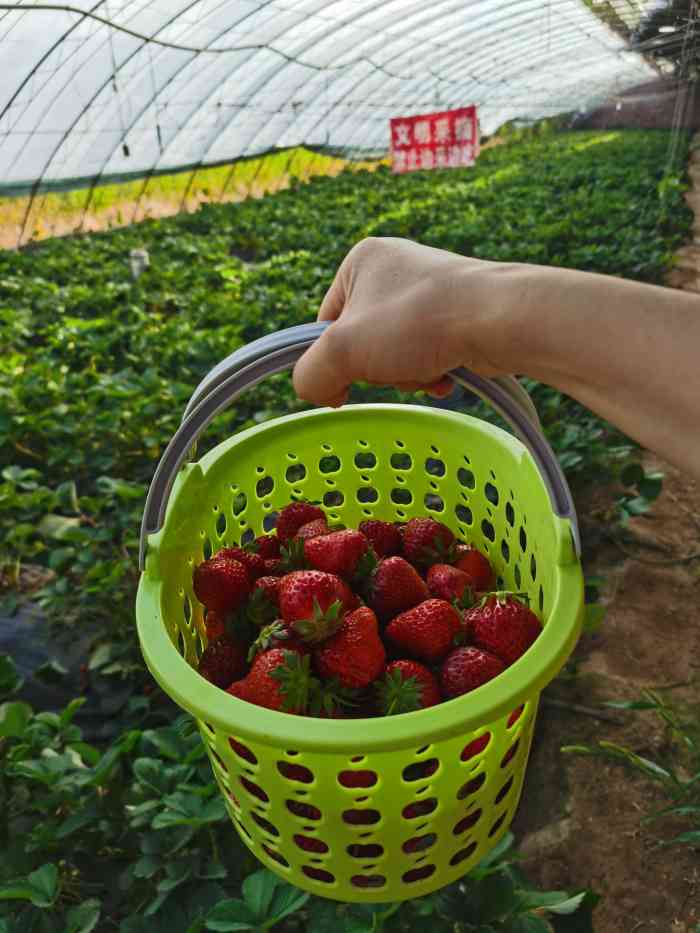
point(402, 314)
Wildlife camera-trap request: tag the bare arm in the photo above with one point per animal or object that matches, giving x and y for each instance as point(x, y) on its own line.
point(405, 314)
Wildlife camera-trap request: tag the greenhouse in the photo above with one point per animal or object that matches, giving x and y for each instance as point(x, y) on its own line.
point(350, 480)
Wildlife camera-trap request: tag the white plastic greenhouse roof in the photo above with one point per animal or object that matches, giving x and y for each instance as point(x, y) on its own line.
point(114, 87)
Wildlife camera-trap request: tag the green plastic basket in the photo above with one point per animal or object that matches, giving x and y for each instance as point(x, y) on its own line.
point(375, 809)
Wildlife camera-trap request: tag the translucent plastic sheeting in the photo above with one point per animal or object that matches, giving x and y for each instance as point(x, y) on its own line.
point(157, 85)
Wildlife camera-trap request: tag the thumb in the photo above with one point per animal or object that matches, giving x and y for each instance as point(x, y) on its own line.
point(320, 375)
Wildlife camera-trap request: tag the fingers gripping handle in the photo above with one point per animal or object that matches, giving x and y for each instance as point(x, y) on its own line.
point(249, 365)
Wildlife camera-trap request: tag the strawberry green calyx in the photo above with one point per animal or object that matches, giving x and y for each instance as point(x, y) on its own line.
point(332, 697)
point(398, 695)
point(501, 597)
point(296, 682)
point(366, 566)
point(260, 609)
point(267, 638)
point(321, 625)
point(292, 556)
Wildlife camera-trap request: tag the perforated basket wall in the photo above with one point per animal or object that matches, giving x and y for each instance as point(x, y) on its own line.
point(383, 809)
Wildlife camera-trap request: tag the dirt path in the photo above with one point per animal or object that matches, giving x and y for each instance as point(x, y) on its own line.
point(580, 822)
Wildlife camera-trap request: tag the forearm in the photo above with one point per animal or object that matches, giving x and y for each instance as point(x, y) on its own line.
point(627, 350)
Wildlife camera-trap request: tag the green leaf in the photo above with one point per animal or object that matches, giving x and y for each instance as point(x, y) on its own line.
point(51, 672)
point(101, 655)
point(66, 716)
point(526, 923)
point(632, 474)
point(10, 681)
point(45, 879)
point(57, 526)
point(690, 838)
point(650, 487)
point(636, 506)
point(17, 890)
point(230, 916)
point(258, 889)
point(569, 905)
point(13, 719)
point(498, 851)
point(285, 900)
point(84, 917)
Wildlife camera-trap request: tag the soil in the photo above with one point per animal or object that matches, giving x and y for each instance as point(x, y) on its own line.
point(580, 821)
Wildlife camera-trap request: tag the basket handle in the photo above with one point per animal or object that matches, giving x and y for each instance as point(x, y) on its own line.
point(249, 365)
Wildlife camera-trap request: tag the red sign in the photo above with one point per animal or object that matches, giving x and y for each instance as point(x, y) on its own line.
point(448, 139)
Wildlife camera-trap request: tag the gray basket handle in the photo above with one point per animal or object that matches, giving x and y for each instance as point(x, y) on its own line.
point(249, 365)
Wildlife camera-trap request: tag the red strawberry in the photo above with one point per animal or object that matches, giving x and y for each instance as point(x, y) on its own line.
point(355, 654)
point(221, 584)
point(272, 565)
point(270, 586)
point(313, 529)
point(253, 563)
point(425, 632)
point(312, 602)
point(338, 552)
point(384, 537)
point(267, 546)
point(278, 680)
point(466, 669)
point(222, 661)
point(476, 566)
point(293, 516)
point(214, 624)
point(504, 626)
point(407, 686)
point(277, 635)
point(447, 582)
point(425, 541)
point(396, 586)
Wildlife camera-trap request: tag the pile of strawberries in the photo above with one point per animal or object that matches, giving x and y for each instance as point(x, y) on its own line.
point(344, 623)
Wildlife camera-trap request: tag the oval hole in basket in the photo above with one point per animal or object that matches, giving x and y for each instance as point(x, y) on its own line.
point(221, 525)
point(243, 751)
point(464, 514)
point(418, 874)
point(419, 808)
point(369, 850)
point(264, 487)
point(433, 502)
point(309, 844)
point(270, 521)
point(533, 567)
point(361, 817)
point(471, 787)
point(368, 881)
point(295, 473)
point(464, 824)
point(466, 478)
point(318, 874)
point(475, 747)
point(505, 550)
point(523, 540)
point(240, 501)
point(510, 514)
point(357, 778)
point(401, 496)
point(247, 536)
point(365, 460)
point(491, 493)
point(488, 530)
point(207, 549)
point(540, 601)
point(463, 854)
point(419, 843)
point(420, 770)
point(329, 464)
point(510, 754)
point(254, 789)
point(515, 715)
point(503, 791)
point(497, 825)
point(401, 461)
point(265, 824)
point(333, 498)
point(295, 772)
point(275, 855)
point(434, 467)
point(306, 811)
point(187, 609)
point(367, 494)
point(517, 576)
